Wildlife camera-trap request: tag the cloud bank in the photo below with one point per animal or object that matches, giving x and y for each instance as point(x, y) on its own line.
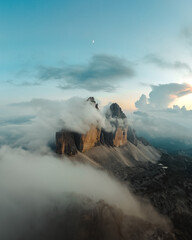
point(31, 184)
point(162, 95)
point(166, 127)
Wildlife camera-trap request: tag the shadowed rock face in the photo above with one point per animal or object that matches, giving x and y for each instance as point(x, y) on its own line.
point(114, 139)
point(131, 136)
point(116, 111)
point(65, 143)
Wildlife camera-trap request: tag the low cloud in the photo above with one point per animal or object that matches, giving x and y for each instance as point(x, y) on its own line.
point(142, 102)
point(34, 181)
point(169, 128)
point(167, 123)
point(32, 184)
point(165, 64)
point(102, 73)
point(36, 129)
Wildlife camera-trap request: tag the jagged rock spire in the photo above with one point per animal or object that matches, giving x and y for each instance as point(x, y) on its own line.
point(116, 111)
point(92, 100)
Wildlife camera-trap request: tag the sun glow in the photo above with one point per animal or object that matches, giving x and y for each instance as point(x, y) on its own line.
point(184, 101)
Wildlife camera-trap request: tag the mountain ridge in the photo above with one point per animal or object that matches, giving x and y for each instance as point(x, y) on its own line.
point(70, 142)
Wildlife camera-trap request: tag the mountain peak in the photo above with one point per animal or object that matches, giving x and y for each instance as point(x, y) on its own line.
point(116, 111)
point(92, 100)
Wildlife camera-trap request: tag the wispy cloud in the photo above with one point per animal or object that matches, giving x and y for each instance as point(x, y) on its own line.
point(23, 83)
point(165, 64)
point(103, 72)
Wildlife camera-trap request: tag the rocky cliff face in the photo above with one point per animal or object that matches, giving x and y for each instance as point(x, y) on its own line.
point(116, 111)
point(131, 136)
point(118, 121)
point(120, 137)
point(87, 141)
point(71, 142)
point(65, 143)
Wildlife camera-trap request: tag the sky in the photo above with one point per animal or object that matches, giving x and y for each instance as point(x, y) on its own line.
point(113, 50)
point(54, 54)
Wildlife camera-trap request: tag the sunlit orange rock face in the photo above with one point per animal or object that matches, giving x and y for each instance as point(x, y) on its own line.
point(70, 142)
point(91, 139)
point(120, 124)
point(120, 137)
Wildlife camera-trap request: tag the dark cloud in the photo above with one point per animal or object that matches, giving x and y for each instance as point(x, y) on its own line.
point(103, 72)
point(162, 95)
point(165, 64)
